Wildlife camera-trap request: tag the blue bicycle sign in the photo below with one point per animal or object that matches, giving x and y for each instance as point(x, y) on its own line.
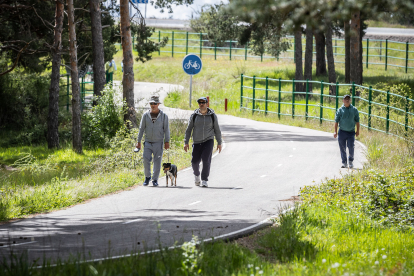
point(192, 64)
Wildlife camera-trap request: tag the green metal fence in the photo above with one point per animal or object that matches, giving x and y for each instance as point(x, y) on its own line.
point(383, 53)
point(65, 99)
point(379, 110)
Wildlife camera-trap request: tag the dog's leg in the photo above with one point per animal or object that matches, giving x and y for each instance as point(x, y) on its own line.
point(175, 178)
point(166, 178)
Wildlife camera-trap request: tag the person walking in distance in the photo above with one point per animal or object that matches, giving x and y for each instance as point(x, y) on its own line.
point(154, 123)
point(347, 116)
point(203, 123)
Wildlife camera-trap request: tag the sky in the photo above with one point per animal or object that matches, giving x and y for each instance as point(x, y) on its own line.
point(179, 12)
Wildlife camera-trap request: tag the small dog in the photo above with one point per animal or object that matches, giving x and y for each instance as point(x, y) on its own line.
point(171, 172)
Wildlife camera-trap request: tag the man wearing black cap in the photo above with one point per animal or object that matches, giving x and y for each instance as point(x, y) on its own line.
point(204, 125)
point(347, 116)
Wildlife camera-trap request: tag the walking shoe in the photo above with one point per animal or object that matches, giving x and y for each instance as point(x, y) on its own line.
point(204, 184)
point(351, 164)
point(147, 180)
point(155, 183)
point(344, 165)
point(197, 180)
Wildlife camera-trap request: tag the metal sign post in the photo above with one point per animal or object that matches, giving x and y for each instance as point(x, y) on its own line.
point(192, 65)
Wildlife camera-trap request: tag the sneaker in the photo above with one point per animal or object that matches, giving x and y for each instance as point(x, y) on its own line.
point(147, 180)
point(155, 183)
point(197, 180)
point(351, 164)
point(344, 165)
point(204, 184)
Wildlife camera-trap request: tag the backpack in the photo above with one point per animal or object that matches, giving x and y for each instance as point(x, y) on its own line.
point(195, 115)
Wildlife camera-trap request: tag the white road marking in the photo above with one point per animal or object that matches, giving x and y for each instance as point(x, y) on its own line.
point(294, 148)
point(290, 155)
point(264, 175)
point(236, 188)
point(16, 244)
point(291, 141)
point(134, 220)
point(196, 202)
point(279, 165)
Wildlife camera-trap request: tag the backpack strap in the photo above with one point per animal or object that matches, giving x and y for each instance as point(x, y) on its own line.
point(195, 115)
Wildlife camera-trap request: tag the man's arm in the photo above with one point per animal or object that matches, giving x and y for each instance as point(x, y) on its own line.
point(142, 126)
point(357, 132)
point(166, 132)
point(336, 130)
point(217, 133)
point(188, 131)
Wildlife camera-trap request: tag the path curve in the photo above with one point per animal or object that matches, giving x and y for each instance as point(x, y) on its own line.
point(262, 166)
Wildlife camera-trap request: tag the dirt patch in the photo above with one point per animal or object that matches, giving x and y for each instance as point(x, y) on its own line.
point(292, 198)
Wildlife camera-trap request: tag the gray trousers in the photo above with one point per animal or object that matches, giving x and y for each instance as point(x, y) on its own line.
point(152, 150)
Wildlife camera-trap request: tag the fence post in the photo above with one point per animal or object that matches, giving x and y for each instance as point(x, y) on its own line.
point(369, 107)
point(307, 99)
point(293, 98)
point(215, 50)
point(367, 50)
point(353, 93)
point(336, 96)
point(386, 54)
point(245, 51)
point(406, 57)
point(388, 111)
point(241, 91)
point(335, 45)
point(321, 106)
point(230, 49)
point(267, 94)
point(186, 44)
point(172, 45)
point(201, 44)
point(261, 57)
point(278, 98)
point(67, 92)
point(159, 41)
point(406, 114)
point(254, 93)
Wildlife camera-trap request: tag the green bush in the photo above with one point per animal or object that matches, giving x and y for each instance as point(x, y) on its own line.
point(104, 120)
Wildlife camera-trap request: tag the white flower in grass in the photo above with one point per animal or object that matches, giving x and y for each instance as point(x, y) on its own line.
point(249, 266)
point(323, 261)
point(384, 256)
point(335, 265)
point(257, 268)
point(382, 249)
point(376, 262)
point(346, 274)
point(261, 272)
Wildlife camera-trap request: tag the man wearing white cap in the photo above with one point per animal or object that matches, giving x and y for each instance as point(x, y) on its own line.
point(157, 134)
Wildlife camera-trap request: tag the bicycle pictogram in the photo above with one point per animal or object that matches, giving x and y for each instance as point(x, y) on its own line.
point(194, 64)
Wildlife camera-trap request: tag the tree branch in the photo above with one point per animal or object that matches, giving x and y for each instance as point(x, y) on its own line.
point(17, 59)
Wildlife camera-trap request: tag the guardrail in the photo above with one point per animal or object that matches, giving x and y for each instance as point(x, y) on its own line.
point(379, 110)
point(375, 52)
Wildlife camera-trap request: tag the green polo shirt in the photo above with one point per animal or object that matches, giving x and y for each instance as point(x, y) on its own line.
point(347, 117)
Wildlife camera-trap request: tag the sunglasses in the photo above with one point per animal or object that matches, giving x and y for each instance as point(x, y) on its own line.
point(153, 103)
point(201, 102)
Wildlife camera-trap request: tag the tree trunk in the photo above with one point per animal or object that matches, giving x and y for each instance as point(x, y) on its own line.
point(320, 53)
point(355, 49)
point(347, 51)
point(331, 59)
point(52, 119)
point(361, 35)
point(97, 48)
point(128, 78)
point(298, 59)
point(309, 56)
point(76, 104)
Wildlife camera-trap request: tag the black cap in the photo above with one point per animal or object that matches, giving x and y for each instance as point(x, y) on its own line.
point(347, 95)
point(203, 98)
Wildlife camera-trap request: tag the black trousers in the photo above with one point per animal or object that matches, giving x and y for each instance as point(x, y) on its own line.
point(202, 152)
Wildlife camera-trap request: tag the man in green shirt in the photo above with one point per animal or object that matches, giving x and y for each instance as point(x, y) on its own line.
point(347, 116)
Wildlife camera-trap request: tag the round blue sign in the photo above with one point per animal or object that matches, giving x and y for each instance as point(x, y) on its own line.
point(192, 64)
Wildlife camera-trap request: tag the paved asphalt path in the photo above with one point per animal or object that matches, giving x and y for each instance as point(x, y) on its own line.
point(261, 166)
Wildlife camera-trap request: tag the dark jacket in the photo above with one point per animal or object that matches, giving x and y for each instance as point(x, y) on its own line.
point(202, 127)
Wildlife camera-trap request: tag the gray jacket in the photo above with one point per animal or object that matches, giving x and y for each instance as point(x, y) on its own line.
point(203, 128)
point(154, 132)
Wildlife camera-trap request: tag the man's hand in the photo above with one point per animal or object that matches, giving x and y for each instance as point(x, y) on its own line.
point(138, 146)
point(335, 134)
point(219, 148)
point(357, 133)
point(167, 145)
point(186, 147)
